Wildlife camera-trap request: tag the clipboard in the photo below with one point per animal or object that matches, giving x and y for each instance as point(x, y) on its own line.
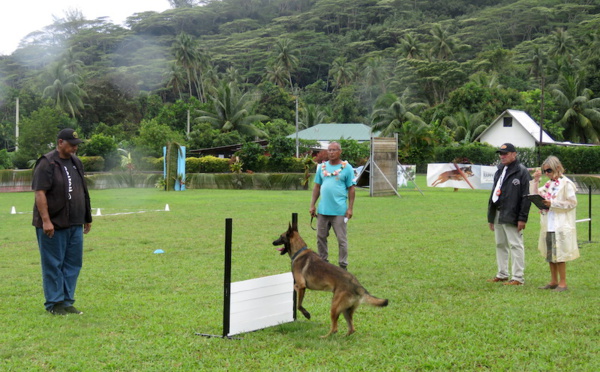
point(537, 200)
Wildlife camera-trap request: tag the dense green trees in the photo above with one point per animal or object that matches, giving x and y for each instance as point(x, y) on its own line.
point(232, 64)
point(38, 134)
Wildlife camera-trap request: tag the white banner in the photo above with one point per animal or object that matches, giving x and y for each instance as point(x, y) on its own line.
point(461, 176)
point(406, 173)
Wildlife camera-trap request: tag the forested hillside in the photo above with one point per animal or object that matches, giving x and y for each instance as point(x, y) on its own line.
point(435, 72)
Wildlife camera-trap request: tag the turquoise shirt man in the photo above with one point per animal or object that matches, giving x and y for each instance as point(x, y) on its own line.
point(334, 185)
point(335, 181)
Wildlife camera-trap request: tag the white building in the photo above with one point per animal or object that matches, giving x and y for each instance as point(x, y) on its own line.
point(516, 127)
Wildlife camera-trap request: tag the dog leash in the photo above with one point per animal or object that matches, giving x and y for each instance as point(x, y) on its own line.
point(311, 220)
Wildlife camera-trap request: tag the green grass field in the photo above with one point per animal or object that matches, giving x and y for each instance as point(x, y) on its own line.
point(429, 255)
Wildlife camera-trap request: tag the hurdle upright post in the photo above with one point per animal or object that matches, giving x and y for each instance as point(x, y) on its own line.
point(590, 213)
point(294, 222)
point(227, 277)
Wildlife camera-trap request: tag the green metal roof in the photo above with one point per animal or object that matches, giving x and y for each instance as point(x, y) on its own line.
point(332, 132)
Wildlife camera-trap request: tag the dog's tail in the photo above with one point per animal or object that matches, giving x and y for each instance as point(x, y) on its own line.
point(374, 301)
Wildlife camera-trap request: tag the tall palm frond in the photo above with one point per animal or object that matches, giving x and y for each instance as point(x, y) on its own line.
point(393, 112)
point(580, 111)
point(64, 89)
point(465, 125)
point(233, 110)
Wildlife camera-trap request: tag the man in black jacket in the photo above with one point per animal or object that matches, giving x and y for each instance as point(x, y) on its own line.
point(61, 215)
point(508, 209)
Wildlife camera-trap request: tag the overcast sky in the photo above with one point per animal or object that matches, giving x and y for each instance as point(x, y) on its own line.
point(19, 18)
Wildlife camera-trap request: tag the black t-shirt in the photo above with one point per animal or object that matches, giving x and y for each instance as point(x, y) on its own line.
point(42, 180)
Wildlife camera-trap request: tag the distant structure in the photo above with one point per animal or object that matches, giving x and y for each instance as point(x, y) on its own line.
point(516, 127)
point(326, 133)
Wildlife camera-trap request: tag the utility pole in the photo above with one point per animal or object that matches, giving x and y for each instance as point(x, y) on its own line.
point(188, 123)
point(297, 141)
point(543, 82)
point(17, 126)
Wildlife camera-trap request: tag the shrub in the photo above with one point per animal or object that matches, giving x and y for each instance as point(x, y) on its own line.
point(477, 153)
point(206, 164)
point(250, 155)
point(149, 163)
point(575, 159)
point(285, 165)
point(281, 150)
point(355, 153)
point(5, 159)
point(92, 163)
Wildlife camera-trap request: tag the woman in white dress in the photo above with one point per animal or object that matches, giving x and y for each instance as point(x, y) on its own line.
point(558, 236)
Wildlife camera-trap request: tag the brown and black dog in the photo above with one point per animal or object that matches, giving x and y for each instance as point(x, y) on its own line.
point(312, 272)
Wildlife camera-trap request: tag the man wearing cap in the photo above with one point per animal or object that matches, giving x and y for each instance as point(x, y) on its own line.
point(61, 215)
point(508, 209)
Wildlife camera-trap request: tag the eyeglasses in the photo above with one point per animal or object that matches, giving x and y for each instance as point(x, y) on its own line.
point(548, 170)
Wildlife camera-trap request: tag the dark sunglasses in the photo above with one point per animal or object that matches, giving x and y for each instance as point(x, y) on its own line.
point(548, 170)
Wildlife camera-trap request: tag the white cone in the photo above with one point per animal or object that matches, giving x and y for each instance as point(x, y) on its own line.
point(13, 210)
point(98, 213)
point(167, 208)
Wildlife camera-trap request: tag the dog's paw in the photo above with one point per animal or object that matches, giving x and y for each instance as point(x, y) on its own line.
point(305, 313)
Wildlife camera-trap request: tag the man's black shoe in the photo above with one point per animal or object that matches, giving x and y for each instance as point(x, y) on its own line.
point(72, 310)
point(57, 310)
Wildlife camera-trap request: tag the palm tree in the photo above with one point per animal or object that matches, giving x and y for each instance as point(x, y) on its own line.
point(232, 75)
point(71, 63)
point(210, 79)
point(175, 78)
point(539, 60)
point(592, 41)
point(64, 89)
point(563, 45)
point(286, 58)
point(277, 75)
point(233, 110)
point(466, 126)
point(190, 58)
point(410, 46)
point(414, 136)
point(486, 80)
point(374, 73)
point(311, 116)
point(579, 109)
point(443, 44)
point(393, 112)
point(342, 72)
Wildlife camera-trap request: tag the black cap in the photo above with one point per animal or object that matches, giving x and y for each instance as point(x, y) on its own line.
point(507, 147)
point(70, 136)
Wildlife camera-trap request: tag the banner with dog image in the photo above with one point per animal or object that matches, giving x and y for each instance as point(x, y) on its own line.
point(460, 176)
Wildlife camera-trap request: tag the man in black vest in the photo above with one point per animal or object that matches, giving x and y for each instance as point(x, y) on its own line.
point(61, 215)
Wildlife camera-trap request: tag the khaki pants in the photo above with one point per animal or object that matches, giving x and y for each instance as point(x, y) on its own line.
point(509, 243)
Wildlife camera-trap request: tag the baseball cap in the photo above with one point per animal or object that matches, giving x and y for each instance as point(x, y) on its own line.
point(70, 136)
point(507, 147)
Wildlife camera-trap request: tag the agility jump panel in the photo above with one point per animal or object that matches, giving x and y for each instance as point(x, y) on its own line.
point(384, 169)
point(261, 302)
